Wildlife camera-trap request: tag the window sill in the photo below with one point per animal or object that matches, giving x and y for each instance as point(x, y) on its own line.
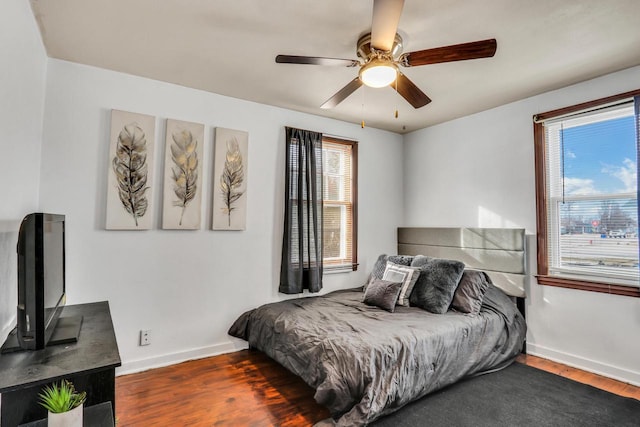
point(606, 288)
point(338, 269)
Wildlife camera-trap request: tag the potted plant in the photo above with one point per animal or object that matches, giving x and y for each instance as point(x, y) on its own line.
point(64, 404)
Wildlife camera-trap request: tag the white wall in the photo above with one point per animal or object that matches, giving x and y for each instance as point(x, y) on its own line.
point(479, 171)
point(189, 286)
point(22, 79)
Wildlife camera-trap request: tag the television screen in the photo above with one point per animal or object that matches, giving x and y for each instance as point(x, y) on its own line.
point(41, 286)
point(41, 282)
point(53, 263)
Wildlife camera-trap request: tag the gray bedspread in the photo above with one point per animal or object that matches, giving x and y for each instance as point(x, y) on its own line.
point(365, 362)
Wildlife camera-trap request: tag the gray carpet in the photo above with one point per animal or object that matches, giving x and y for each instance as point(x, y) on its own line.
point(517, 396)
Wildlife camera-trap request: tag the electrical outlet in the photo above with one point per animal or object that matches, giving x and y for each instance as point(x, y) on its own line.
point(145, 337)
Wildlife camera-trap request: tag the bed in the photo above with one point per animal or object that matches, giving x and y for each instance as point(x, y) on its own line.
point(365, 362)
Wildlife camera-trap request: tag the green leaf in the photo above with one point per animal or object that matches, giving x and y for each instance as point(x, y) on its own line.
point(61, 397)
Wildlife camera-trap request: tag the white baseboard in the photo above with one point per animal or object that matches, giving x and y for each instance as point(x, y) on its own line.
point(614, 372)
point(140, 365)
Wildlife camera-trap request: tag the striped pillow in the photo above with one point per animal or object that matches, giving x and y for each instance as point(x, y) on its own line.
point(404, 274)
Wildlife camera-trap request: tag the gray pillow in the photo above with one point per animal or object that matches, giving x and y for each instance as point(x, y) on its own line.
point(381, 264)
point(420, 260)
point(383, 294)
point(470, 292)
point(436, 285)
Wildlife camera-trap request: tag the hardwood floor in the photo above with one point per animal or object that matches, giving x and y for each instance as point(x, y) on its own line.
point(249, 389)
point(598, 381)
point(245, 388)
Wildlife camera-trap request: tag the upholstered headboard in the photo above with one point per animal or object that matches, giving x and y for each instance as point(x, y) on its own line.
point(498, 251)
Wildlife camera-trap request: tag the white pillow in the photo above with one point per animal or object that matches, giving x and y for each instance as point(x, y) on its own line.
point(405, 275)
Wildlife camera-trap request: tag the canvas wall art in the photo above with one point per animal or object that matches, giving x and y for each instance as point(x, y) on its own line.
point(231, 162)
point(130, 179)
point(183, 159)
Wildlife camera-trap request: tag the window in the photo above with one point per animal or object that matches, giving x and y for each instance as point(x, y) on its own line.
point(340, 203)
point(587, 196)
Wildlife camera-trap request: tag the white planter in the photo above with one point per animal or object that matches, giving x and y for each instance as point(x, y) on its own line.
point(72, 418)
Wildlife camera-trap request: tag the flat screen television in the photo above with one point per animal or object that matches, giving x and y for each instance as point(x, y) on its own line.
point(41, 286)
point(41, 278)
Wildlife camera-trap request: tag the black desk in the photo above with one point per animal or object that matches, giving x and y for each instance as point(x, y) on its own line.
point(89, 364)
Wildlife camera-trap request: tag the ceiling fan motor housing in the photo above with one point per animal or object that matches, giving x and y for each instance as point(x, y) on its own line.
point(364, 50)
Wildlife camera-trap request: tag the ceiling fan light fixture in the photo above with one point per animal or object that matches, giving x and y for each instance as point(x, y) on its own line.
point(378, 73)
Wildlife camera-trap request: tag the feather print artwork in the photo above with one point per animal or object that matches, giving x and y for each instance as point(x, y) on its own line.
point(230, 171)
point(130, 167)
point(130, 171)
point(182, 189)
point(231, 178)
point(185, 170)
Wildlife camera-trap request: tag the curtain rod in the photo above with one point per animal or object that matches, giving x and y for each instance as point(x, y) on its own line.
point(588, 110)
point(345, 138)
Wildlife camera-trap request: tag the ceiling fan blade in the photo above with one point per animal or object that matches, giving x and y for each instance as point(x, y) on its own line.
point(411, 92)
point(316, 60)
point(343, 93)
point(384, 25)
point(456, 52)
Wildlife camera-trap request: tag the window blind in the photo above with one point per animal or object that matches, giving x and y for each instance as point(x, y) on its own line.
point(338, 198)
point(592, 195)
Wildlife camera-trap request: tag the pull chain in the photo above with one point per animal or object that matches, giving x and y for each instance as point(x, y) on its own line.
point(362, 112)
point(397, 75)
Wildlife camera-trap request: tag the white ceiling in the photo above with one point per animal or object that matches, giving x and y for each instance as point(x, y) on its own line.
point(228, 47)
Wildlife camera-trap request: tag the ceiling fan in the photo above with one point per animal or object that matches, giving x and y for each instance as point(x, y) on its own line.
point(380, 54)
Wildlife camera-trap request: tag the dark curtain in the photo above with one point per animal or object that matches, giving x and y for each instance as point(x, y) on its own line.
point(301, 266)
